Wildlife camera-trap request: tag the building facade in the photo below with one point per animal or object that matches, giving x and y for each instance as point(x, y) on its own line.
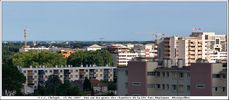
point(208, 79)
point(38, 76)
point(199, 79)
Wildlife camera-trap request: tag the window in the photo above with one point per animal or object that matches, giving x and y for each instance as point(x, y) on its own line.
point(163, 73)
point(86, 70)
point(163, 86)
point(76, 70)
point(216, 75)
point(188, 87)
point(174, 87)
point(216, 41)
point(167, 86)
point(188, 74)
point(181, 75)
point(167, 74)
point(50, 71)
point(224, 76)
point(206, 37)
point(223, 89)
point(76, 76)
point(216, 89)
point(150, 73)
point(200, 85)
point(158, 74)
point(35, 71)
point(136, 83)
point(46, 71)
point(24, 71)
point(158, 86)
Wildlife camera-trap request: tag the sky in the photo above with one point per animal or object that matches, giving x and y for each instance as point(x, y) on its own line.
point(112, 21)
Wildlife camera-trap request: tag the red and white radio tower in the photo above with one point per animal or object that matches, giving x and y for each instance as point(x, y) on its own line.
point(25, 38)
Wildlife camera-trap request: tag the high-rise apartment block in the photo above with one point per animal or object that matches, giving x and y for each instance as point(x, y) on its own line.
point(199, 45)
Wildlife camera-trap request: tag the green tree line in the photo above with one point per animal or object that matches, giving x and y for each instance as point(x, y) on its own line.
point(99, 58)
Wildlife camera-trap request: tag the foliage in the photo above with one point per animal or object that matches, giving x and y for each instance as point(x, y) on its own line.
point(112, 85)
point(54, 87)
point(99, 58)
point(87, 85)
point(49, 59)
point(12, 79)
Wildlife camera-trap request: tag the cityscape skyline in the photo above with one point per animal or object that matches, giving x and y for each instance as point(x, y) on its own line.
point(110, 21)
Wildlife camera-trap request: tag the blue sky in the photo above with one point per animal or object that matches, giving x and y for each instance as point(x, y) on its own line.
point(109, 20)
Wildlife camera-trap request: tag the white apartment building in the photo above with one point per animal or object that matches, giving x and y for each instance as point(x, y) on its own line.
point(39, 75)
point(148, 50)
point(42, 48)
point(94, 47)
point(124, 57)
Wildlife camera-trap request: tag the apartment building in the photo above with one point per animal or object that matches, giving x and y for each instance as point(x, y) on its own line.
point(39, 75)
point(157, 80)
point(214, 46)
point(152, 79)
point(189, 49)
point(208, 79)
point(94, 47)
point(124, 57)
point(168, 49)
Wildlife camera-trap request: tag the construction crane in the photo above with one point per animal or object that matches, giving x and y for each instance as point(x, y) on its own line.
point(25, 38)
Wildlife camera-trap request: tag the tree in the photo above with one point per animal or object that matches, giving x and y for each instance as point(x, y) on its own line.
point(33, 58)
point(99, 57)
point(54, 87)
point(87, 84)
point(12, 79)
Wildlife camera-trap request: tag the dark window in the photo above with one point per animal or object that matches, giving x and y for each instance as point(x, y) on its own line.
point(216, 89)
point(224, 76)
point(206, 37)
point(163, 73)
point(223, 88)
point(150, 73)
point(181, 75)
point(163, 86)
point(174, 87)
point(158, 86)
point(76, 70)
point(50, 71)
point(216, 75)
point(200, 85)
point(158, 74)
point(167, 74)
point(188, 87)
point(216, 41)
point(35, 71)
point(167, 86)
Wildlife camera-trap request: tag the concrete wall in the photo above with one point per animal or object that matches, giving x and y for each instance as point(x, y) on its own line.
point(201, 79)
point(137, 74)
point(122, 81)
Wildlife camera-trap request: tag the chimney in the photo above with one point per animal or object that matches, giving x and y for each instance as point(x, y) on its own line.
point(164, 63)
point(169, 63)
point(180, 63)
